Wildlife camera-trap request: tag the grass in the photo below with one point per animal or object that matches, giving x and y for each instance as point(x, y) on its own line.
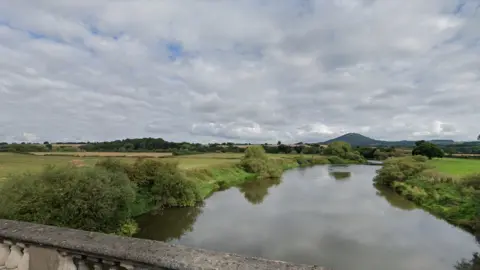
point(11, 163)
point(103, 154)
point(456, 166)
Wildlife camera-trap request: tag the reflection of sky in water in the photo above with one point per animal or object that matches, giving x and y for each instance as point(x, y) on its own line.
point(311, 218)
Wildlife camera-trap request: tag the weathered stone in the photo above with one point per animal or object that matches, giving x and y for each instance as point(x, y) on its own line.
point(43, 258)
point(4, 252)
point(140, 252)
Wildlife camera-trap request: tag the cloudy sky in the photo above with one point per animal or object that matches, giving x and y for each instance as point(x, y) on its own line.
point(250, 70)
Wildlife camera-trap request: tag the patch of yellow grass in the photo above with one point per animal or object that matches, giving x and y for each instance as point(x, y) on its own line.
point(103, 154)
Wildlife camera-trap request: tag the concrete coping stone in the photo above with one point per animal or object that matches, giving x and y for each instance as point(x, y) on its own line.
point(139, 251)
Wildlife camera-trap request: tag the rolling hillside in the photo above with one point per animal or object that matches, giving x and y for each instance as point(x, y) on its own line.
point(356, 139)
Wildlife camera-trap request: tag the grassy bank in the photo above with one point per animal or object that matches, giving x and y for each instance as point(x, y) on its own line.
point(455, 198)
point(78, 192)
point(456, 166)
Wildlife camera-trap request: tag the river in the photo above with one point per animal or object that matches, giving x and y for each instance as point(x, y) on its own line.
point(326, 215)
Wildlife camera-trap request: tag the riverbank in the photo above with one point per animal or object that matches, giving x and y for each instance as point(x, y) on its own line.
point(116, 190)
point(221, 177)
point(454, 198)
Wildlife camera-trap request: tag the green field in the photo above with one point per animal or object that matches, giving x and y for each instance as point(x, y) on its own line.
point(11, 163)
point(18, 163)
point(456, 166)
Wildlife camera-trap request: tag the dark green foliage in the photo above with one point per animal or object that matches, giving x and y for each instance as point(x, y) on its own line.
point(337, 160)
point(257, 162)
point(399, 169)
point(159, 145)
point(472, 264)
point(48, 146)
point(355, 156)
point(159, 184)
point(286, 149)
point(341, 175)
point(310, 161)
point(23, 147)
point(342, 153)
point(427, 149)
point(92, 199)
point(457, 201)
point(472, 180)
point(338, 148)
point(256, 191)
point(299, 148)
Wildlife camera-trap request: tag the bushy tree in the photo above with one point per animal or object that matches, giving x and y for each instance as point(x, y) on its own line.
point(400, 170)
point(255, 151)
point(91, 199)
point(161, 184)
point(256, 161)
point(338, 148)
point(299, 148)
point(427, 149)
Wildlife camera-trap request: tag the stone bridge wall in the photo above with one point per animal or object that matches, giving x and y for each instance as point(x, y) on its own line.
point(27, 246)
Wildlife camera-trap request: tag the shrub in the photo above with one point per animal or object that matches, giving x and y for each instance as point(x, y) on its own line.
point(413, 193)
point(112, 164)
point(159, 183)
point(173, 189)
point(255, 152)
point(91, 199)
point(472, 180)
point(337, 160)
point(303, 161)
point(338, 148)
point(256, 161)
point(399, 169)
point(419, 158)
point(355, 156)
point(438, 177)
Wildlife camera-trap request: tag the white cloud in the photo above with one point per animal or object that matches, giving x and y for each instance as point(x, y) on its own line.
point(255, 70)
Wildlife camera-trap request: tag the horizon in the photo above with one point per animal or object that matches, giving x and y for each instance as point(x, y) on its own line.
point(246, 142)
point(251, 71)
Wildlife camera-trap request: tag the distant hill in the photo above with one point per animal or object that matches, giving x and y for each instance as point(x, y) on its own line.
point(355, 139)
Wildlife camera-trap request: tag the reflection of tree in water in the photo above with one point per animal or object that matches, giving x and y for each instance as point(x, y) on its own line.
point(473, 263)
point(256, 190)
point(393, 198)
point(341, 175)
point(168, 224)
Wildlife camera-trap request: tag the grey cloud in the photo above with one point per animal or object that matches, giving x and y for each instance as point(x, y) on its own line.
point(247, 71)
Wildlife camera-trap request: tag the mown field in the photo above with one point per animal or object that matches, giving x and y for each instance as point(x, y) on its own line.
point(18, 163)
point(456, 166)
point(103, 154)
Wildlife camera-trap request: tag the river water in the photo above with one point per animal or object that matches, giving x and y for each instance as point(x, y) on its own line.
point(326, 215)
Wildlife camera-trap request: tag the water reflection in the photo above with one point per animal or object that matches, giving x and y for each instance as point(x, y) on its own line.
point(255, 191)
point(339, 176)
point(311, 218)
point(394, 199)
point(168, 224)
point(472, 264)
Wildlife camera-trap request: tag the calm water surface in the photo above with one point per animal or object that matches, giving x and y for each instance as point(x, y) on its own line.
point(327, 215)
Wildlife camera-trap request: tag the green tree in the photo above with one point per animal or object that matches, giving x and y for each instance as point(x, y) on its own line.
point(427, 149)
point(299, 148)
point(48, 145)
point(91, 199)
point(338, 149)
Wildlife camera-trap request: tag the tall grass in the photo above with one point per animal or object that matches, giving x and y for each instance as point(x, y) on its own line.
point(455, 199)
